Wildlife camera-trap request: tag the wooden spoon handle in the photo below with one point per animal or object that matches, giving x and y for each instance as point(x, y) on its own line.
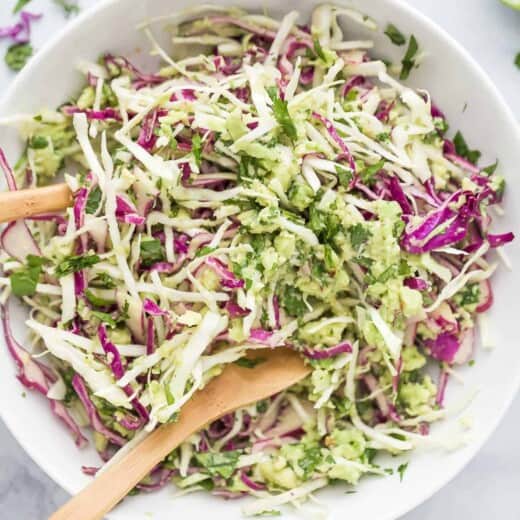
point(113, 484)
point(26, 203)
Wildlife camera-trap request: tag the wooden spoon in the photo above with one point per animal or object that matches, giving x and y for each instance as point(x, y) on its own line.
point(27, 203)
point(237, 386)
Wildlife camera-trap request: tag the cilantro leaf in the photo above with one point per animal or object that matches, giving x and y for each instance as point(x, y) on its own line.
point(24, 282)
point(462, 149)
point(248, 167)
point(36, 261)
point(395, 35)
point(105, 317)
point(69, 8)
point(93, 200)
point(387, 274)
point(152, 252)
point(363, 261)
point(103, 281)
point(204, 251)
point(469, 295)
point(401, 469)
point(345, 176)
point(312, 457)
point(20, 5)
point(330, 257)
point(325, 224)
point(368, 172)
point(398, 228)
point(96, 300)
point(219, 464)
point(408, 61)
point(281, 114)
point(17, 55)
point(249, 363)
point(318, 49)
point(490, 170)
point(196, 148)
point(114, 319)
point(38, 142)
point(73, 264)
point(517, 60)
point(292, 301)
point(359, 234)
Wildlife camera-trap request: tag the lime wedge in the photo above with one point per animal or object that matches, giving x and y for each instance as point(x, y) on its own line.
point(515, 4)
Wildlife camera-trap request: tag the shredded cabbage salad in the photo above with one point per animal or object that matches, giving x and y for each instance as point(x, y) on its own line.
point(270, 185)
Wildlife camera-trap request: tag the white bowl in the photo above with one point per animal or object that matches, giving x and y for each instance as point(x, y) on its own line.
point(471, 103)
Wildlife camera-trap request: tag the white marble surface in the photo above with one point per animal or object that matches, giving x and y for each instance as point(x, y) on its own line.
point(488, 487)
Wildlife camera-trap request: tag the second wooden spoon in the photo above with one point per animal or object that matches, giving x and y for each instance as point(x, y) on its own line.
point(237, 386)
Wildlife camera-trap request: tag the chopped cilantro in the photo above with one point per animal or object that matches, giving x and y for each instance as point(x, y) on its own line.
point(408, 61)
point(395, 35)
point(325, 224)
point(318, 49)
point(398, 228)
point(363, 261)
point(312, 458)
point(319, 270)
point(367, 174)
point(469, 295)
point(69, 8)
point(168, 393)
point(219, 464)
point(292, 301)
point(24, 282)
point(351, 95)
point(17, 55)
point(281, 114)
point(463, 150)
point(38, 142)
point(72, 264)
point(517, 60)
point(107, 318)
point(262, 406)
point(196, 148)
point(152, 252)
point(359, 234)
point(207, 484)
point(103, 281)
point(113, 319)
point(96, 300)
point(249, 363)
point(400, 269)
point(248, 167)
point(330, 257)
point(204, 251)
point(369, 455)
point(93, 200)
point(401, 469)
point(345, 176)
point(20, 5)
point(441, 124)
point(403, 269)
point(490, 170)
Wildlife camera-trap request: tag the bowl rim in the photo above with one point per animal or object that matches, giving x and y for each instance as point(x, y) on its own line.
point(439, 33)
